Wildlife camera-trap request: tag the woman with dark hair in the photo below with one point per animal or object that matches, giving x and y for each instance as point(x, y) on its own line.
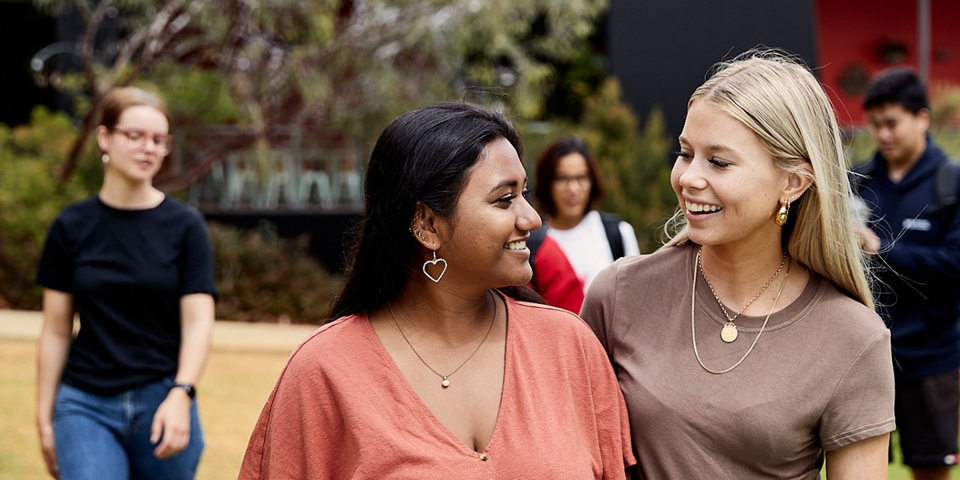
point(435, 366)
point(576, 241)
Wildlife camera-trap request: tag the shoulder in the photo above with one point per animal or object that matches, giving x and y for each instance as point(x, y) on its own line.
point(172, 207)
point(846, 320)
point(866, 167)
point(545, 320)
point(644, 268)
point(81, 211)
point(331, 343)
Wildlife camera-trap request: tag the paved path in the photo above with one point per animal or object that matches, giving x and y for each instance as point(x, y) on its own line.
point(26, 325)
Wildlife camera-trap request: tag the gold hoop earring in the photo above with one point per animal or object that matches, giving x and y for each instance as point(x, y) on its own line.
point(784, 214)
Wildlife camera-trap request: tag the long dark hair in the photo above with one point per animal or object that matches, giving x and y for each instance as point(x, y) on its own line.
point(423, 156)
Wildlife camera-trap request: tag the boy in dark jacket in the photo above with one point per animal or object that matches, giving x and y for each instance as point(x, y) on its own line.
point(914, 233)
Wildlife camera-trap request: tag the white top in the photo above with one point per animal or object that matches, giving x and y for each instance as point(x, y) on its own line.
point(587, 248)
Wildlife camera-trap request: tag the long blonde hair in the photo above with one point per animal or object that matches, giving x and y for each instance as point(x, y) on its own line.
point(781, 101)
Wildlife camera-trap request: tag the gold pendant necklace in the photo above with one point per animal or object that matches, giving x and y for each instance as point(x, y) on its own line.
point(729, 332)
point(693, 323)
point(445, 382)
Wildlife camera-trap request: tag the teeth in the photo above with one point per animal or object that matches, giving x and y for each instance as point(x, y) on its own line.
point(517, 245)
point(702, 207)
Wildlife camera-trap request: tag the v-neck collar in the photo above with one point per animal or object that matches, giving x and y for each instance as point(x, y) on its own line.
point(414, 400)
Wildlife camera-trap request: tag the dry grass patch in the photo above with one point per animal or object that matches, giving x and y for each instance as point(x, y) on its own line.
point(231, 394)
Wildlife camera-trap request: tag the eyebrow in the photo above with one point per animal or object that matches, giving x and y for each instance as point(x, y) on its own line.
point(506, 183)
point(715, 148)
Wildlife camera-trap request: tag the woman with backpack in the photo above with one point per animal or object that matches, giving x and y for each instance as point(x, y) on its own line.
point(576, 241)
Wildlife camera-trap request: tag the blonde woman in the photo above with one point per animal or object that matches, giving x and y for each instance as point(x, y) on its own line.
point(748, 347)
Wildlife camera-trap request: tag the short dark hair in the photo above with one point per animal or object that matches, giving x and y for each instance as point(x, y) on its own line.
point(424, 156)
point(547, 163)
point(897, 85)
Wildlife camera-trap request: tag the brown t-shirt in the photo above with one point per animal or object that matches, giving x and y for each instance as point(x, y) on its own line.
point(819, 378)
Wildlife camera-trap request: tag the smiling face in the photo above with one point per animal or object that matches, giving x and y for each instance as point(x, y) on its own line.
point(571, 189)
point(485, 240)
point(899, 134)
point(726, 182)
point(132, 144)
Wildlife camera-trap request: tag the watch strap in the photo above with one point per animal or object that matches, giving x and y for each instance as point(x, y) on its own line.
point(189, 388)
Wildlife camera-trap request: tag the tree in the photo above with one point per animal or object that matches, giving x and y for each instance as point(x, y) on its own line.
point(339, 66)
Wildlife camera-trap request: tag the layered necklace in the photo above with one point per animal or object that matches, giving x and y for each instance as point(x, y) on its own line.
point(729, 332)
point(444, 378)
point(693, 311)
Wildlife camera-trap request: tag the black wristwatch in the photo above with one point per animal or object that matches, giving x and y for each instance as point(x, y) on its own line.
point(190, 389)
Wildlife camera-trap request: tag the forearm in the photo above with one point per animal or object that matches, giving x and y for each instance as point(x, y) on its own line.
point(53, 349)
point(197, 317)
point(51, 360)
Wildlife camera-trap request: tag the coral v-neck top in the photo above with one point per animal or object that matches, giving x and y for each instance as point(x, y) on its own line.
point(342, 409)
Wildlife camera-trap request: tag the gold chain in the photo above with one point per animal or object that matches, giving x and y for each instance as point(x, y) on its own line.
point(693, 324)
point(762, 289)
point(445, 383)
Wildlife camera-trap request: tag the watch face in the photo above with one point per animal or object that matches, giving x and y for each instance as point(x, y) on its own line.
point(190, 389)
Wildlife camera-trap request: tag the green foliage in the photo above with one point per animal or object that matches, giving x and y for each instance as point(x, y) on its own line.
point(30, 199)
point(265, 278)
point(634, 162)
point(194, 96)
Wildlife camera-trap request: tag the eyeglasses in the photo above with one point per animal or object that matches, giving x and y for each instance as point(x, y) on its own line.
point(137, 138)
point(581, 181)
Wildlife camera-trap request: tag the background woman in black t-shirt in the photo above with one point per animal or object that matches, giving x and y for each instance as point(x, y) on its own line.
point(118, 401)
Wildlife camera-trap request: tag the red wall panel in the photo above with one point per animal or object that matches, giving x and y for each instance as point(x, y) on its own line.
point(857, 39)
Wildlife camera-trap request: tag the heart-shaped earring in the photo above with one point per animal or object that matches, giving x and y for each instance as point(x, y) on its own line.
point(434, 262)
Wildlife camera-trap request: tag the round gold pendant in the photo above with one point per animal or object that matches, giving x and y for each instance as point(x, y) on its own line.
point(729, 333)
point(445, 383)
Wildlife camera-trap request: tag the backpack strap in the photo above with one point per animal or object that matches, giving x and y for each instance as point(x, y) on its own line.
point(946, 184)
point(611, 226)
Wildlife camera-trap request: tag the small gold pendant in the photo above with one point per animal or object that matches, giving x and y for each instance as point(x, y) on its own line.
point(729, 333)
point(445, 383)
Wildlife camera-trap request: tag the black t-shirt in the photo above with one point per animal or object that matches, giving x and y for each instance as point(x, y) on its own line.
point(126, 270)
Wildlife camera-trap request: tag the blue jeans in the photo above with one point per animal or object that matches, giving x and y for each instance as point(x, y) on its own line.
point(100, 437)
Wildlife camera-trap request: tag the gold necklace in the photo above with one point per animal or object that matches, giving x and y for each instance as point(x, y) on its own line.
point(693, 324)
point(729, 332)
point(445, 383)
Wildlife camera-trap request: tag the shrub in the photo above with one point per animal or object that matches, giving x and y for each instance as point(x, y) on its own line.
point(264, 278)
point(30, 199)
point(634, 162)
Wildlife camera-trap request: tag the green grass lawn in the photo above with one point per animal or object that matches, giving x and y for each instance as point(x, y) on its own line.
point(233, 390)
